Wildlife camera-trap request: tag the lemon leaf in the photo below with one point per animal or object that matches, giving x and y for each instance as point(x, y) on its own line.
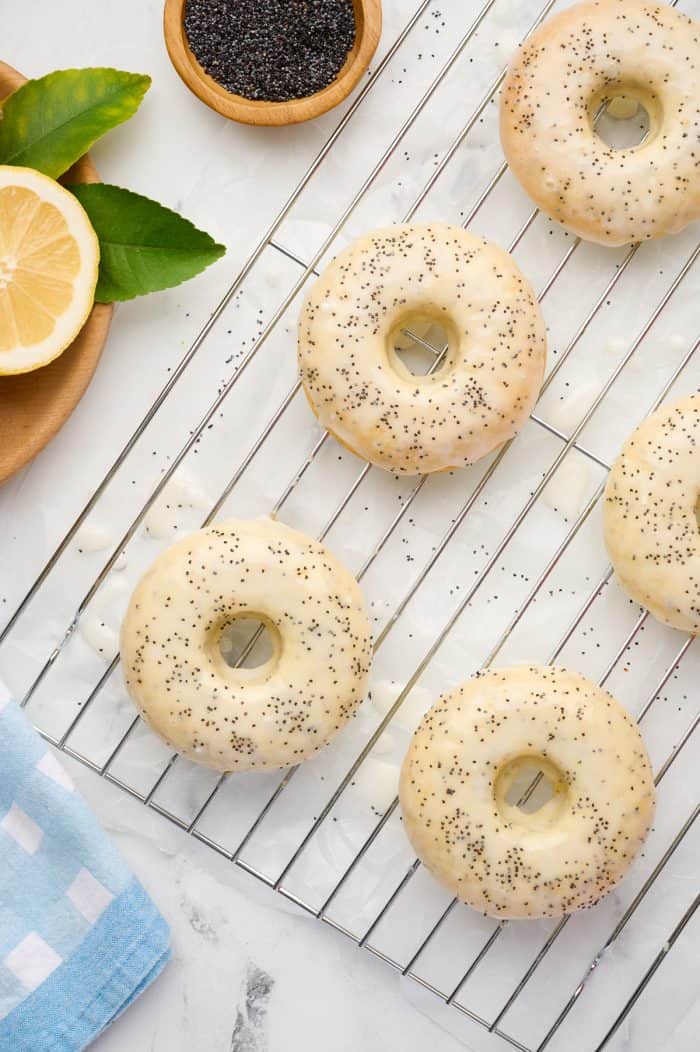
point(50, 122)
point(144, 247)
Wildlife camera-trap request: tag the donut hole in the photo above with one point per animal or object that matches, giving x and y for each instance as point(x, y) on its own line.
point(248, 642)
point(529, 790)
point(622, 121)
point(419, 346)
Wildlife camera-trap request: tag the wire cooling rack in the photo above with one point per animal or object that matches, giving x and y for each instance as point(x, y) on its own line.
point(503, 562)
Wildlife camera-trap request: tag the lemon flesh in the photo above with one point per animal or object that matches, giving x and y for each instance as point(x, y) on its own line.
point(49, 258)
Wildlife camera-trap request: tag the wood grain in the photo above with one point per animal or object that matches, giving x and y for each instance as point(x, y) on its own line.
point(34, 406)
point(368, 18)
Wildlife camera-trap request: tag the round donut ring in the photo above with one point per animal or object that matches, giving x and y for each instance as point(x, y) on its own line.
point(360, 389)
point(465, 759)
point(651, 515)
point(577, 61)
point(237, 719)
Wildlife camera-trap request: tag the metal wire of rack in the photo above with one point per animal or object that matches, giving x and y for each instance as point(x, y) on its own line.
point(577, 441)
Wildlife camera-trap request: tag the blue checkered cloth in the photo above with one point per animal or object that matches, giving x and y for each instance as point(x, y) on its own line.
point(79, 937)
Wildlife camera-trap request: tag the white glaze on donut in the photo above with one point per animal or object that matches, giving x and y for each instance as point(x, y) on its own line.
point(236, 719)
point(361, 391)
point(578, 59)
point(487, 851)
point(652, 531)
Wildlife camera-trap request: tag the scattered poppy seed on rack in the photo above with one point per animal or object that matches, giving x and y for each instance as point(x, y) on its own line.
point(271, 50)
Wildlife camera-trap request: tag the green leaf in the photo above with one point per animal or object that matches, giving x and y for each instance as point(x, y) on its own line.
point(49, 123)
point(144, 247)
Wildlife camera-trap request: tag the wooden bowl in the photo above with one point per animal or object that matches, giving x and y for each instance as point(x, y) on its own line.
point(368, 18)
point(33, 406)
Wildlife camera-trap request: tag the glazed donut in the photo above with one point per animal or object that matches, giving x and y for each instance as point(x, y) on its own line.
point(463, 761)
point(237, 719)
point(652, 515)
point(576, 62)
point(358, 386)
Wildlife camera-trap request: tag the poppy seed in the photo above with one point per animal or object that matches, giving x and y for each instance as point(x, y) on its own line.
point(271, 50)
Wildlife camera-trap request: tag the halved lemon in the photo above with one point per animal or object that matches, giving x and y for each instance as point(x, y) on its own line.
point(49, 256)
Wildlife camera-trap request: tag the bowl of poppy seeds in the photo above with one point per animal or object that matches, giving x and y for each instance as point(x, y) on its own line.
point(272, 62)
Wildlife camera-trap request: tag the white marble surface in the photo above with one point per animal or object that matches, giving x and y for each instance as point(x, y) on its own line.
point(309, 988)
point(322, 992)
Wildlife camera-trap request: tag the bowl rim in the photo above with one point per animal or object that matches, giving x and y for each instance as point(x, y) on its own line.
point(368, 16)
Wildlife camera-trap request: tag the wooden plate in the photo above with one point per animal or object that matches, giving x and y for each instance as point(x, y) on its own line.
point(368, 19)
point(35, 405)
